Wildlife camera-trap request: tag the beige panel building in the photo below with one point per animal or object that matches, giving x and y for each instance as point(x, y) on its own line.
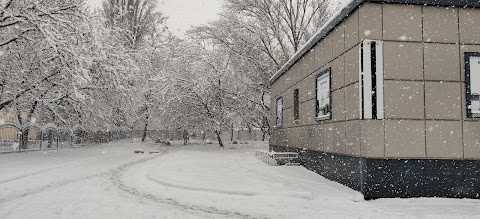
point(385, 99)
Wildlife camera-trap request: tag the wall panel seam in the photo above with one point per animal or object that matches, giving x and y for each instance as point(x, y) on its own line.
point(312, 73)
point(461, 92)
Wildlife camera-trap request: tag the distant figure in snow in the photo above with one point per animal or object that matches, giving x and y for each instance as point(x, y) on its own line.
point(185, 137)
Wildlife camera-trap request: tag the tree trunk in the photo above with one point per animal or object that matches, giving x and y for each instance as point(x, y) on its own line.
point(24, 139)
point(231, 133)
point(219, 138)
point(146, 127)
point(265, 128)
point(21, 140)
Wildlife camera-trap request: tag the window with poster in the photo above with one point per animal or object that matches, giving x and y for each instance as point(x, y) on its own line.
point(279, 112)
point(472, 83)
point(323, 106)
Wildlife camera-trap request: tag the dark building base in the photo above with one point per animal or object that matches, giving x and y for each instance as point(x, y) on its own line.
point(395, 178)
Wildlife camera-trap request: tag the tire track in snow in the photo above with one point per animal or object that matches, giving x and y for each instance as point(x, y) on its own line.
point(116, 179)
point(74, 180)
point(219, 191)
point(61, 165)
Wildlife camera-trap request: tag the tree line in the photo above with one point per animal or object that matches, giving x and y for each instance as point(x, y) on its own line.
point(120, 68)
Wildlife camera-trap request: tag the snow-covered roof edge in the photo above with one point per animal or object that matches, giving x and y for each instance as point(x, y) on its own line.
point(348, 9)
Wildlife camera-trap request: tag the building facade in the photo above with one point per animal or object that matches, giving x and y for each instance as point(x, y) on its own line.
point(9, 133)
point(385, 99)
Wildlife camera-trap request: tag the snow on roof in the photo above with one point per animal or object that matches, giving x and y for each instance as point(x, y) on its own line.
point(349, 7)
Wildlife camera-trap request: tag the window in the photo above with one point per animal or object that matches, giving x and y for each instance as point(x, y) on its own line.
point(296, 105)
point(323, 106)
point(279, 112)
point(472, 82)
point(371, 79)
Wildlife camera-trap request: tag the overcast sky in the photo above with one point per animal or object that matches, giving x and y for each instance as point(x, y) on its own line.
point(182, 14)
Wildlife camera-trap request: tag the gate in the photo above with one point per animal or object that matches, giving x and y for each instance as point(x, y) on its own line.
point(30, 137)
point(9, 137)
point(49, 137)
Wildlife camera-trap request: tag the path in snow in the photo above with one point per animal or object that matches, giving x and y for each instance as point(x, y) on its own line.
point(75, 184)
point(200, 181)
point(234, 181)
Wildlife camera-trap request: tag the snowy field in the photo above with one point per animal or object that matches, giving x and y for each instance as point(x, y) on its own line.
point(197, 181)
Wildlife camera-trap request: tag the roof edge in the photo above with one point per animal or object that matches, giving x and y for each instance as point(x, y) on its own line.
point(353, 5)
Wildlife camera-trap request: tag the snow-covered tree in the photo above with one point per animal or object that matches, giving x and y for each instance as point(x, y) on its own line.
point(143, 31)
point(44, 30)
point(202, 95)
point(279, 27)
point(68, 66)
point(261, 36)
point(138, 18)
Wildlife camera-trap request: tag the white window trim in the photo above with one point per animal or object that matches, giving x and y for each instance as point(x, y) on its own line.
point(473, 114)
point(323, 117)
point(366, 92)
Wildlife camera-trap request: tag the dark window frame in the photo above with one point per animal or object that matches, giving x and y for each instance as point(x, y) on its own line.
point(330, 117)
point(468, 91)
point(276, 113)
point(296, 104)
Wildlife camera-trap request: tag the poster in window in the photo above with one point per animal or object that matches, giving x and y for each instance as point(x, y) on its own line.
point(323, 96)
point(474, 106)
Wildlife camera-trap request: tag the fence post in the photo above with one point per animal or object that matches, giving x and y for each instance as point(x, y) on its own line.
point(21, 142)
point(41, 139)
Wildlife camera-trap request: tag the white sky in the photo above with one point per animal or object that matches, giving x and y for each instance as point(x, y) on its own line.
point(182, 14)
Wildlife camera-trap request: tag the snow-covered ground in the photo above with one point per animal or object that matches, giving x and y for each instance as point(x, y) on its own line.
point(198, 181)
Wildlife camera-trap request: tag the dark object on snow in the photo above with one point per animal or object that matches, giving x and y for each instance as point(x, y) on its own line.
point(139, 151)
point(154, 152)
point(185, 137)
point(278, 158)
point(234, 142)
point(284, 158)
point(208, 142)
point(162, 142)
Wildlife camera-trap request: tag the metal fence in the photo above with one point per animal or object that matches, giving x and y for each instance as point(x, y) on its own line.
point(29, 137)
point(238, 135)
point(83, 137)
point(246, 135)
point(16, 138)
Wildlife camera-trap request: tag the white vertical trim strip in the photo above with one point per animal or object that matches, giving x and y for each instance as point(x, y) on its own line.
point(367, 79)
point(360, 87)
point(379, 55)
